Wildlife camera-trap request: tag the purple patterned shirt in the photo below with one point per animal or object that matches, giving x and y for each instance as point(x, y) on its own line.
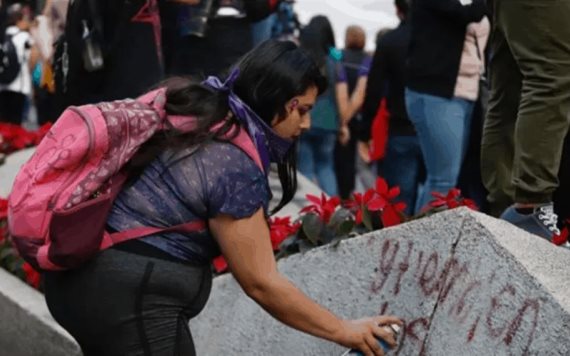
point(218, 178)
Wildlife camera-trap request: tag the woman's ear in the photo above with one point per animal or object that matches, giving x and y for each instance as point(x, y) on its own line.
point(293, 105)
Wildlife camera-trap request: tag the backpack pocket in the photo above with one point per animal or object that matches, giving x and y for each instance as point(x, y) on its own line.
point(76, 233)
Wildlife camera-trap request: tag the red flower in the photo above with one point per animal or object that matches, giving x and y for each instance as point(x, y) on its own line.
point(323, 207)
point(42, 131)
point(383, 201)
point(14, 138)
point(220, 264)
point(561, 239)
point(3, 208)
point(452, 200)
point(358, 203)
point(280, 229)
point(32, 276)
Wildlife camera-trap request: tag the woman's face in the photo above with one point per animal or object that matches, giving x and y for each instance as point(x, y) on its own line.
point(298, 118)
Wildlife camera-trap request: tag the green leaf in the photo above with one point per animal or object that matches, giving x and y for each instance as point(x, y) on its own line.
point(312, 227)
point(327, 235)
point(345, 228)
point(339, 217)
point(289, 244)
point(5, 252)
point(367, 219)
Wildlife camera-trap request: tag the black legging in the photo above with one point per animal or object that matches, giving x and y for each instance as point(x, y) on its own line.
point(122, 303)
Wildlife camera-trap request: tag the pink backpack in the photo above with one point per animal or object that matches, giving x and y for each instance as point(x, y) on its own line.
point(61, 197)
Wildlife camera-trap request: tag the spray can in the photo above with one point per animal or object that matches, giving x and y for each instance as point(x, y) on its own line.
point(395, 328)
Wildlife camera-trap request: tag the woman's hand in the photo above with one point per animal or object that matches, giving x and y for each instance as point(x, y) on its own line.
point(344, 135)
point(364, 151)
point(362, 334)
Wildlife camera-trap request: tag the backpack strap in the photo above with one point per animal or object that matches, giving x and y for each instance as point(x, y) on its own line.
point(243, 141)
point(118, 237)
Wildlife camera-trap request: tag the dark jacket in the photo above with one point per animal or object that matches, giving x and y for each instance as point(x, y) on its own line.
point(438, 36)
point(386, 79)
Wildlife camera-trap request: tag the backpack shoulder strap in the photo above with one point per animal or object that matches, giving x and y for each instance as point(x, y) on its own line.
point(243, 141)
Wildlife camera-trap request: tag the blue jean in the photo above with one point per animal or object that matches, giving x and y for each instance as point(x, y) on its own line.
point(316, 158)
point(403, 166)
point(261, 30)
point(442, 126)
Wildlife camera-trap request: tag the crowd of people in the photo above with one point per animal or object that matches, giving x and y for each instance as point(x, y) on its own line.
point(472, 95)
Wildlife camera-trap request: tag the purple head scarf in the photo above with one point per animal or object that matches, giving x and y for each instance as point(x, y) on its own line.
point(271, 147)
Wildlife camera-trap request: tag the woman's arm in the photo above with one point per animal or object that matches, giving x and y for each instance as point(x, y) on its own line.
point(246, 245)
point(349, 106)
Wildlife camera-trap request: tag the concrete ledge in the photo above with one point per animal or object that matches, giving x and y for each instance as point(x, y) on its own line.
point(465, 283)
point(27, 328)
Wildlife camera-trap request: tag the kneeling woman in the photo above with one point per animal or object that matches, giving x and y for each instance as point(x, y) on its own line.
point(136, 298)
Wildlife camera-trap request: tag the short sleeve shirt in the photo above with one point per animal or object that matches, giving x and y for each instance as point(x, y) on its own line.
point(218, 178)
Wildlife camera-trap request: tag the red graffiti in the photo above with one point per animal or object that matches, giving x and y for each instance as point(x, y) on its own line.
point(386, 265)
point(403, 268)
point(496, 332)
point(517, 321)
point(460, 293)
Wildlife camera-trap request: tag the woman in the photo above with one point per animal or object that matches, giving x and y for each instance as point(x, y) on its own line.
point(333, 110)
point(138, 297)
point(441, 119)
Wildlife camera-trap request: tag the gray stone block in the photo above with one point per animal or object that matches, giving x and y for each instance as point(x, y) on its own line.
point(464, 283)
point(26, 327)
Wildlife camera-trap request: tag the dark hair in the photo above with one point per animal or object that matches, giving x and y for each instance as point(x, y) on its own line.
point(14, 14)
point(403, 6)
point(269, 76)
point(317, 38)
point(381, 33)
point(355, 38)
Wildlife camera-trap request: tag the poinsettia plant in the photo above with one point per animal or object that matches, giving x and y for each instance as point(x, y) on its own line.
point(9, 258)
point(328, 220)
point(15, 137)
point(322, 222)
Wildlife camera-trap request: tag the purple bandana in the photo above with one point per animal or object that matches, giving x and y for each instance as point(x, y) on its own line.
point(271, 147)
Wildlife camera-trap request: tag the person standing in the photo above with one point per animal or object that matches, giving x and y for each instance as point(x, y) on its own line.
point(111, 49)
point(353, 58)
point(440, 118)
point(402, 164)
point(14, 95)
point(529, 111)
point(205, 37)
point(332, 110)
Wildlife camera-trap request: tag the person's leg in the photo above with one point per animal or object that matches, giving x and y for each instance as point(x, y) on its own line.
point(468, 107)
point(440, 124)
point(13, 105)
point(539, 37)
point(345, 167)
point(324, 162)
point(561, 201)
point(261, 30)
point(497, 145)
point(305, 157)
point(401, 167)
